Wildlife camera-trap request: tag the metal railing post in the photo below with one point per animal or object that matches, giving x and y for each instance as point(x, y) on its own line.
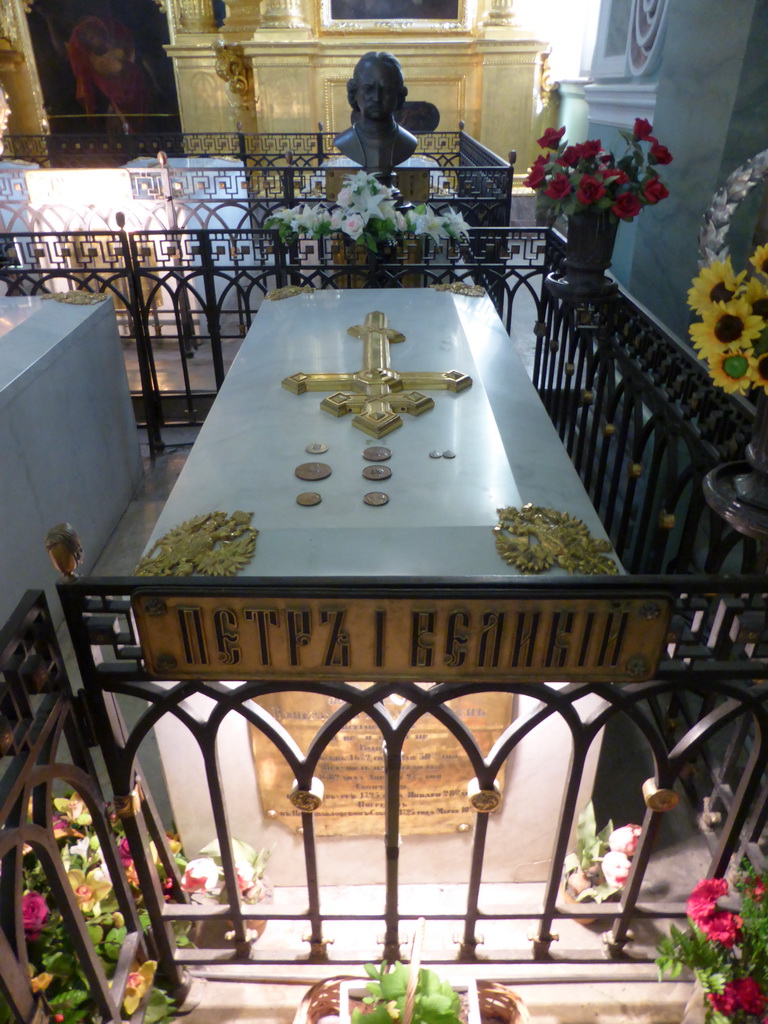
point(149, 393)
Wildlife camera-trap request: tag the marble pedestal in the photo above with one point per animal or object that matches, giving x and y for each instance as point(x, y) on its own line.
point(69, 448)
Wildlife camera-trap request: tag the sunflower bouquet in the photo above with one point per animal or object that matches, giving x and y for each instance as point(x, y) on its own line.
point(732, 333)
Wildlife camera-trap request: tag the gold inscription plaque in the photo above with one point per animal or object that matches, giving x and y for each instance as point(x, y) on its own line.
point(434, 775)
point(231, 634)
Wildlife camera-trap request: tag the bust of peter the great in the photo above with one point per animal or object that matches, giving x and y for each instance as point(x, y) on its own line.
point(376, 141)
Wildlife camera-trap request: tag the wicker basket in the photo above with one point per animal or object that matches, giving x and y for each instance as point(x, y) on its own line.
point(497, 1002)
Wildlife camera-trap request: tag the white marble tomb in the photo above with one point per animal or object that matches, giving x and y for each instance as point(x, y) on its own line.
point(68, 444)
point(438, 523)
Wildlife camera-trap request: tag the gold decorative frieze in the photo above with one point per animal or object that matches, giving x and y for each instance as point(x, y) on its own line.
point(377, 394)
point(535, 539)
point(213, 544)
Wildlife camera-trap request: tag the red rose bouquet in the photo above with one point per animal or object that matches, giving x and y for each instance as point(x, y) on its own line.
point(587, 178)
point(727, 951)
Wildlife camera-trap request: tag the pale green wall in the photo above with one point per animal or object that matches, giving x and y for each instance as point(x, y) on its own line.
point(712, 113)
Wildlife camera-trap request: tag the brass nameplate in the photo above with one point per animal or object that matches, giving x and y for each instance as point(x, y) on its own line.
point(241, 636)
point(433, 775)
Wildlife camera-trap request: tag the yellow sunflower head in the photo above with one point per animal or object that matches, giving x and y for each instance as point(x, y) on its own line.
point(716, 283)
point(756, 294)
point(730, 325)
point(759, 260)
point(759, 372)
point(731, 371)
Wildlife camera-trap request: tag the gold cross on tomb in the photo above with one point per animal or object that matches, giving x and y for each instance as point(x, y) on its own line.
point(377, 394)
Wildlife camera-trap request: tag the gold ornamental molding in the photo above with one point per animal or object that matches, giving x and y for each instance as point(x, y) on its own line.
point(232, 68)
point(283, 14)
point(501, 14)
point(534, 539)
point(29, 4)
point(195, 16)
point(213, 544)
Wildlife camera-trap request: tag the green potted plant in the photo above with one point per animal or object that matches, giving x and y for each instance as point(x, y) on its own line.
point(383, 999)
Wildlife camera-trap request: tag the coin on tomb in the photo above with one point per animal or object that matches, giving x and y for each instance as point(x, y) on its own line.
point(309, 498)
point(313, 471)
point(377, 472)
point(377, 454)
point(435, 454)
point(317, 448)
point(376, 498)
point(448, 454)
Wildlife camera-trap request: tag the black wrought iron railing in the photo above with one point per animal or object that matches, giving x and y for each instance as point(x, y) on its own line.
point(697, 730)
point(44, 753)
point(449, 149)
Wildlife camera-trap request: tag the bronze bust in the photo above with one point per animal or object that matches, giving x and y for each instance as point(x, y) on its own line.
point(376, 141)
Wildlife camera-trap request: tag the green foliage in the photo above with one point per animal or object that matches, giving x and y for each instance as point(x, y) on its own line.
point(591, 847)
point(55, 970)
point(435, 1002)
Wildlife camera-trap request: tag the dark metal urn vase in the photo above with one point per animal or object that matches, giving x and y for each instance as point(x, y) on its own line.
point(738, 491)
point(588, 254)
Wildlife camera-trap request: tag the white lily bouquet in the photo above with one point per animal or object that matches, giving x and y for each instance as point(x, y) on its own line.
point(365, 212)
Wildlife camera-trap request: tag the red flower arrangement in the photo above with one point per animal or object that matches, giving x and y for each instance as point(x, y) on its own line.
point(585, 177)
point(725, 950)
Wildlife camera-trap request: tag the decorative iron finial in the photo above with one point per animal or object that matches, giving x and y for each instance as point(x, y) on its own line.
point(65, 549)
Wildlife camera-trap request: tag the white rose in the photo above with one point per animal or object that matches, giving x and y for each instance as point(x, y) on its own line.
point(616, 868)
point(353, 225)
point(624, 840)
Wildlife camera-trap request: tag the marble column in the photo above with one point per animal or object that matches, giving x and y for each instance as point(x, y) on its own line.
point(196, 16)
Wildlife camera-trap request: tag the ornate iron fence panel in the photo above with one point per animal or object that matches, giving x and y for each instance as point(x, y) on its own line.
point(698, 730)
point(643, 425)
point(43, 754)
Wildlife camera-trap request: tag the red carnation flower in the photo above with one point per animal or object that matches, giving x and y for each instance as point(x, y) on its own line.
point(559, 187)
point(551, 138)
point(590, 190)
point(749, 995)
point(721, 927)
point(703, 900)
point(654, 191)
point(740, 994)
point(659, 154)
point(627, 206)
point(643, 129)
